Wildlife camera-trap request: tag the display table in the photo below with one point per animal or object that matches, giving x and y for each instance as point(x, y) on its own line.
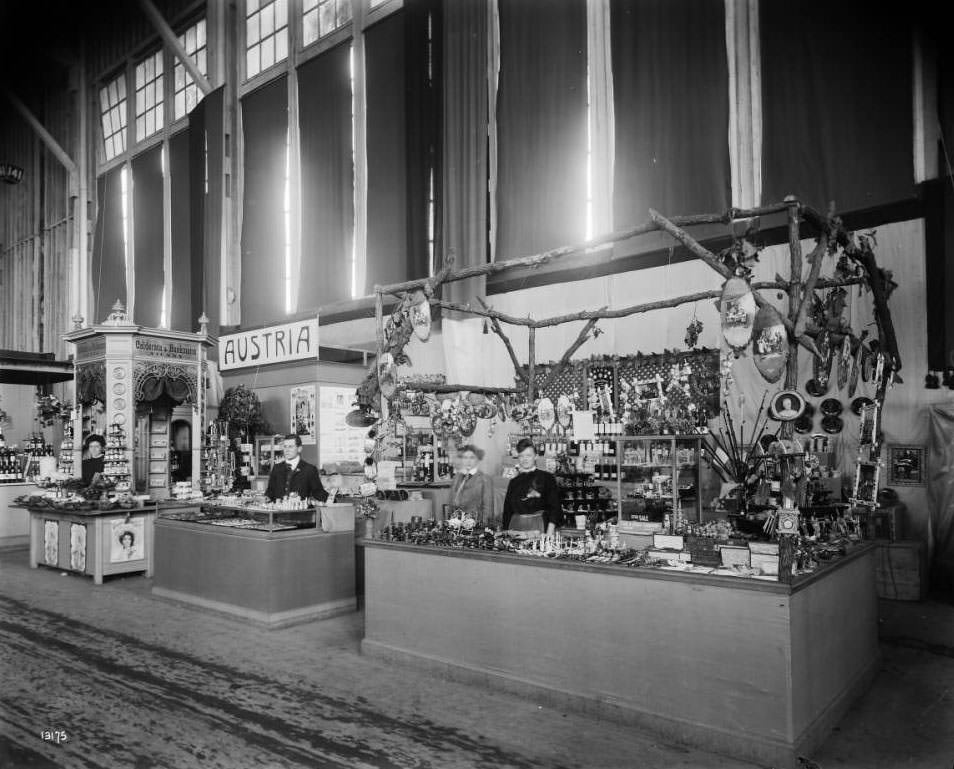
point(97, 543)
point(273, 578)
point(755, 669)
point(14, 521)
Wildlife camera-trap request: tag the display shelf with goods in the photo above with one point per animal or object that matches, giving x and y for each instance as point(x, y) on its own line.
point(65, 458)
point(116, 459)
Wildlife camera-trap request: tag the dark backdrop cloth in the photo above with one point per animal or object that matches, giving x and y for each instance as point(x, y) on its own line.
point(464, 210)
point(938, 198)
point(206, 172)
point(400, 141)
point(265, 123)
point(422, 46)
point(836, 103)
point(671, 100)
point(148, 248)
point(940, 468)
point(108, 263)
point(182, 316)
point(327, 178)
point(541, 126)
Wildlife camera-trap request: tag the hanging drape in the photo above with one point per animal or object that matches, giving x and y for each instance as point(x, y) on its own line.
point(465, 143)
point(940, 466)
point(147, 237)
point(541, 126)
point(206, 193)
point(670, 84)
point(836, 103)
point(265, 122)
point(108, 262)
point(91, 383)
point(165, 382)
point(183, 315)
point(327, 178)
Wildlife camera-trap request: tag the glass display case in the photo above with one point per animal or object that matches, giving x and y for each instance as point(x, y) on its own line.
point(634, 478)
point(659, 476)
point(246, 517)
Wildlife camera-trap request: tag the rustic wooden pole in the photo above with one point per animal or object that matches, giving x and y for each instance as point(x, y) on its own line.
point(531, 374)
point(703, 253)
point(493, 268)
point(580, 339)
point(875, 279)
point(518, 369)
point(489, 312)
point(794, 304)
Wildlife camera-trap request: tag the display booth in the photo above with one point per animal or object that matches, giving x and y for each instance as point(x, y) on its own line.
point(144, 390)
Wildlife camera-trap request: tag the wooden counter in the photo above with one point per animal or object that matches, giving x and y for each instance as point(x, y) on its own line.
point(749, 668)
point(273, 578)
point(98, 543)
point(14, 521)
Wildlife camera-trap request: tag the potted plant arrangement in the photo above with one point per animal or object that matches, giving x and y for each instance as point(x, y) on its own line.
point(367, 509)
point(242, 409)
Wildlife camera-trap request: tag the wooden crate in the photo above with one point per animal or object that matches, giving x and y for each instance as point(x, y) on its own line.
point(901, 570)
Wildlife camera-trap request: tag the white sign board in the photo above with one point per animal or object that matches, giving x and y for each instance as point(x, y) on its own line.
point(276, 344)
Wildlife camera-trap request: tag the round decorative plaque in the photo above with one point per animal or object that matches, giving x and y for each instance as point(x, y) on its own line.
point(119, 388)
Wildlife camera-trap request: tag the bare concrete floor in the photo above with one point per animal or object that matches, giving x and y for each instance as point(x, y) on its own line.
point(119, 678)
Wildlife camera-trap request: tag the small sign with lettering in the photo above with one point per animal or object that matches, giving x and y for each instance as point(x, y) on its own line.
point(274, 344)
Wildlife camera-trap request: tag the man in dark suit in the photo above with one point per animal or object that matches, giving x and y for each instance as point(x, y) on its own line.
point(294, 475)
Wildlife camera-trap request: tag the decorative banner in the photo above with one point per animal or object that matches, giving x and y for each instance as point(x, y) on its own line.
point(302, 413)
point(737, 310)
point(126, 540)
point(78, 546)
point(770, 344)
point(275, 344)
point(421, 316)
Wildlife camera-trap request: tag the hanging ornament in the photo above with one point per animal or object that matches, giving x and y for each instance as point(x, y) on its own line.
point(737, 310)
point(769, 344)
point(856, 369)
point(387, 379)
point(421, 316)
point(693, 330)
point(545, 414)
point(845, 361)
point(564, 412)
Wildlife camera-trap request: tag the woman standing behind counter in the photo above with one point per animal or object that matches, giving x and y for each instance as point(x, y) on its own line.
point(473, 490)
point(533, 498)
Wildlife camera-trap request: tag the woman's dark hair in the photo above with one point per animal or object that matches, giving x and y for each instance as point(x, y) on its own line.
point(479, 453)
point(132, 537)
point(94, 438)
point(526, 443)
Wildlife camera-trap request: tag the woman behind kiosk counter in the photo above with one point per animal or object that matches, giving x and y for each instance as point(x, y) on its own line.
point(94, 463)
point(533, 499)
point(294, 475)
point(473, 490)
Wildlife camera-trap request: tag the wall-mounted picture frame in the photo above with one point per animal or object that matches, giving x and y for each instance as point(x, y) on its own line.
point(158, 442)
point(157, 467)
point(157, 454)
point(866, 484)
point(907, 465)
point(868, 426)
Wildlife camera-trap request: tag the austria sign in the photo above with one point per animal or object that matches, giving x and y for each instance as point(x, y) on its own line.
point(264, 346)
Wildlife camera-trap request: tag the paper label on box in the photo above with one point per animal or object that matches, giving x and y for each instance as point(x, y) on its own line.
point(732, 555)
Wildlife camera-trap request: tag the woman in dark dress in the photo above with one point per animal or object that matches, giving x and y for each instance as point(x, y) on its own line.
point(94, 462)
point(533, 498)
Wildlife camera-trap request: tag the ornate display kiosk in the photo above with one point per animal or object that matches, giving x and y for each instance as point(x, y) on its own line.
point(140, 382)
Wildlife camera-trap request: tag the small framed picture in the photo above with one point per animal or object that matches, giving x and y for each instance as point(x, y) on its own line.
point(866, 484)
point(157, 453)
point(159, 427)
point(907, 465)
point(157, 467)
point(868, 426)
point(158, 442)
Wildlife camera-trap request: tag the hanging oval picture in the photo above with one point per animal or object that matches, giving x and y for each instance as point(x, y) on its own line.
point(737, 310)
point(769, 344)
point(421, 316)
